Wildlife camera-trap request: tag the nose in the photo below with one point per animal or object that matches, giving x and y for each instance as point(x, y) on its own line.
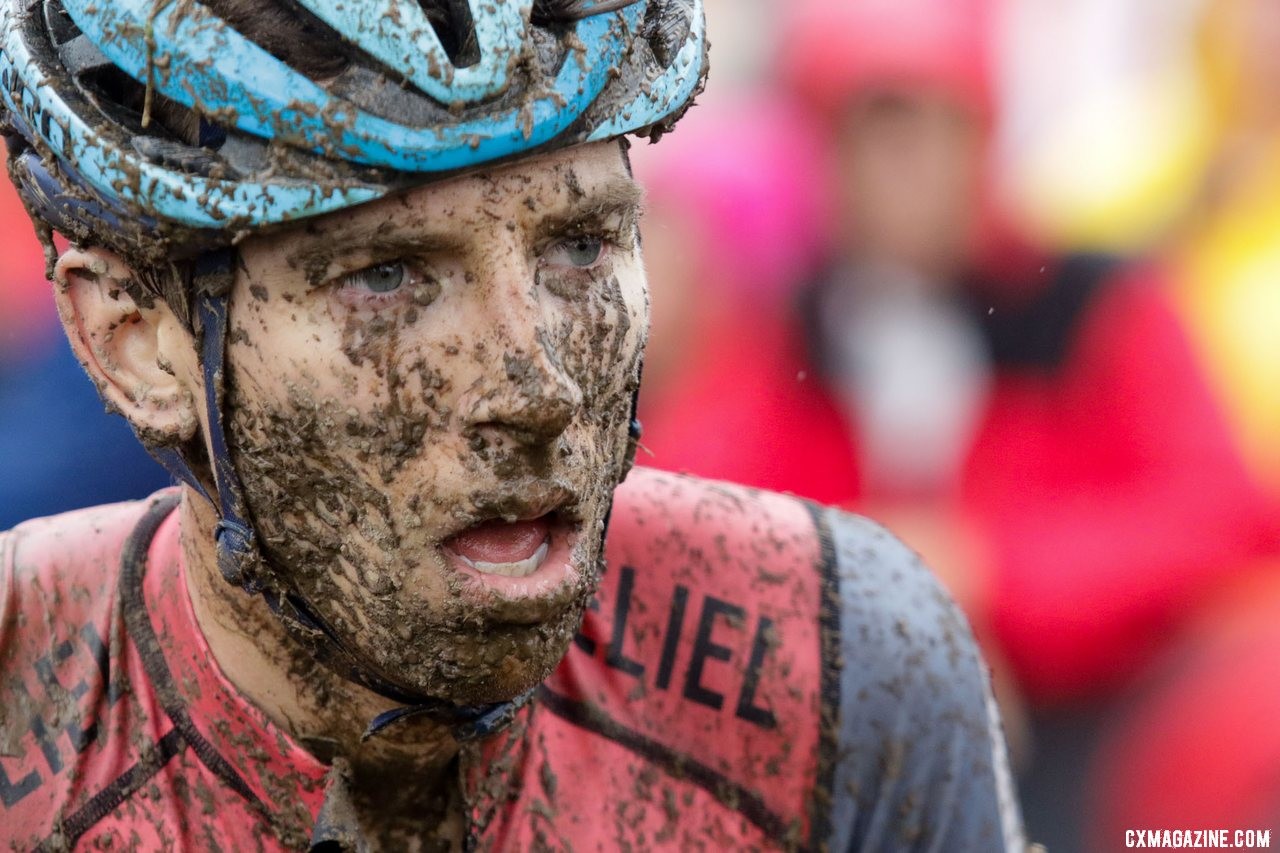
point(533, 401)
point(524, 391)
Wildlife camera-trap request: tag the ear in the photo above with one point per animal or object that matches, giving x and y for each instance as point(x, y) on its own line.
point(141, 357)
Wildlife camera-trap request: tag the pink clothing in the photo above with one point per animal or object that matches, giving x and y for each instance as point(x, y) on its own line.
point(116, 735)
point(755, 673)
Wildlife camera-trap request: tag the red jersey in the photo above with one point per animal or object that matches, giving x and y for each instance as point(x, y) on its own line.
point(755, 673)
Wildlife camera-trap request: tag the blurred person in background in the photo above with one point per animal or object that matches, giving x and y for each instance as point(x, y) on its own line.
point(1038, 425)
point(1039, 418)
point(730, 229)
point(54, 435)
point(1225, 249)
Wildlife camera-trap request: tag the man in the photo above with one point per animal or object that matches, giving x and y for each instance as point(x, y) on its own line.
point(366, 277)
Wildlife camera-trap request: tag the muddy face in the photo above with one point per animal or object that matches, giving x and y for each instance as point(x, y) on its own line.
point(428, 405)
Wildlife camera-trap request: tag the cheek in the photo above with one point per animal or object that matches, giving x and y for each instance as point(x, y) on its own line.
point(602, 337)
point(629, 321)
point(391, 368)
point(636, 299)
point(339, 402)
point(323, 439)
point(282, 348)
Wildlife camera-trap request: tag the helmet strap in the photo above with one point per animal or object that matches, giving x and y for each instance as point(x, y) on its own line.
point(634, 431)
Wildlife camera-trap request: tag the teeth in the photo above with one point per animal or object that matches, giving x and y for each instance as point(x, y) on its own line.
point(519, 569)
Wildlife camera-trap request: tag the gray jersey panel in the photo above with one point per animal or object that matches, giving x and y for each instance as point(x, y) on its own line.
point(920, 761)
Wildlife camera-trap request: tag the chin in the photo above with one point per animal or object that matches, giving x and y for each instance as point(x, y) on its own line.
point(493, 664)
point(501, 687)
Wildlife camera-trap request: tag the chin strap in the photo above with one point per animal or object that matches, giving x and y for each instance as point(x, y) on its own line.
point(213, 275)
point(469, 723)
point(634, 428)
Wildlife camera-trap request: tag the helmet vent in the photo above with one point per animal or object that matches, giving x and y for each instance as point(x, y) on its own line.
point(80, 56)
point(290, 33)
point(456, 28)
point(666, 26)
point(121, 100)
point(61, 28)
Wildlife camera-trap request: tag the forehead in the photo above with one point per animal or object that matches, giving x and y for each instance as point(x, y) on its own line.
point(550, 185)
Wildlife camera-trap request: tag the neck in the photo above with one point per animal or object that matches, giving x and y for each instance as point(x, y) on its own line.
point(325, 713)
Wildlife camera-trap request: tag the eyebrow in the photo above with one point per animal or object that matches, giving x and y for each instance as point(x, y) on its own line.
point(618, 197)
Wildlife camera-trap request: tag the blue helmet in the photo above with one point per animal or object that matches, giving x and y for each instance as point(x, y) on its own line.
point(410, 102)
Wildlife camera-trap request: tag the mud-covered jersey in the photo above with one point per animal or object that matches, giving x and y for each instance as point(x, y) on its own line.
point(755, 673)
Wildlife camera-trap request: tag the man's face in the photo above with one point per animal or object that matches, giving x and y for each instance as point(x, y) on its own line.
point(428, 404)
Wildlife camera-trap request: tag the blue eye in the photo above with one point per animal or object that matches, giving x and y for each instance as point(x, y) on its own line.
point(583, 251)
point(381, 278)
point(579, 252)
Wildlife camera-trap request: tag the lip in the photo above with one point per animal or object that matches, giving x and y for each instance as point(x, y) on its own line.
point(529, 501)
point(538, 595)
point(544, 593)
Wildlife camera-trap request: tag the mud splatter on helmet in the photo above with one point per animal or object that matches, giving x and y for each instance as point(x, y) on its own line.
point(275, 144)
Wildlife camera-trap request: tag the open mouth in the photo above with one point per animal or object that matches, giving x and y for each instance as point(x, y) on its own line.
point(513, 549)
point(520, 554)
point(519, 545)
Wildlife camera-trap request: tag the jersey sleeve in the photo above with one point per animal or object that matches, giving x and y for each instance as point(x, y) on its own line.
point(921, 761)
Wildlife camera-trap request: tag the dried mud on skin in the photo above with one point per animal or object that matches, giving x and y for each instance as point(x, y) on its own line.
point(349, 492)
